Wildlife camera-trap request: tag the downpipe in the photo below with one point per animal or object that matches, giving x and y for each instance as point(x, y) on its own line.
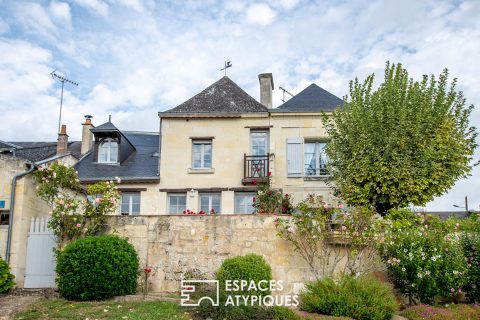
point(12, 207)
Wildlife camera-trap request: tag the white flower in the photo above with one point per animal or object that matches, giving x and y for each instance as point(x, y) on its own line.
point(403, 269)
point(420, 275)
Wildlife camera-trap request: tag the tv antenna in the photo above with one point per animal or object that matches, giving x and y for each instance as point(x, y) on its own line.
point(285, 91)
point(228, 64)
point(55, 76)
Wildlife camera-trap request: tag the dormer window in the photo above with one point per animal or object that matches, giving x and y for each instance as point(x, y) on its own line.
point(108, 151)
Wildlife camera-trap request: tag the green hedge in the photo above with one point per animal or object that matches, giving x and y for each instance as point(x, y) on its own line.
point(97, 268)
point(6, 278)
point(362, 298)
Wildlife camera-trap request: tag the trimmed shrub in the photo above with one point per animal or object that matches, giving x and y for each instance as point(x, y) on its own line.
point(6, 278)
point(97, 268)
point(363, 298)
point(250, 267)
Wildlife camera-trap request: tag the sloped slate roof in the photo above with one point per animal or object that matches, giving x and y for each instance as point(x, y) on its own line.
point(37, 151)
point(447, 214)
point(141, 165)
point(224, 96)
point(311, 99)
point(7, 145)
point(107, 126)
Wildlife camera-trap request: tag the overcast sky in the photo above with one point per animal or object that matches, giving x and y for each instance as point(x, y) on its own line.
point(133, 58)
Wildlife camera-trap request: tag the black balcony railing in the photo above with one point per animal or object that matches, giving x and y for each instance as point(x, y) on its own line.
point(255, 168)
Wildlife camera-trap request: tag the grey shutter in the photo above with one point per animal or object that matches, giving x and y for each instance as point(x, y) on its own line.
point(295, 157)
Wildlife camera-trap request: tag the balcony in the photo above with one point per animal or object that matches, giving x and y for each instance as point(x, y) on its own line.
point(255, 168)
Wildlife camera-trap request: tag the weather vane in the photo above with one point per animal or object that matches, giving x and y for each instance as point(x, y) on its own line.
point(62, 80)
point(228, 64)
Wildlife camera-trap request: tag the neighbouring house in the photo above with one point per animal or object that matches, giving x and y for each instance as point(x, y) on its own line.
point(18, 200)
point(129, 157)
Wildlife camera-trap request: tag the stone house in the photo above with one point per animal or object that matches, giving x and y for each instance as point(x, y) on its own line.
point(212, 149)
point(18, 200)
point(208, 153)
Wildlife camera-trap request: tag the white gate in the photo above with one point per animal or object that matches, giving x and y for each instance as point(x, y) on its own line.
point(40, 265)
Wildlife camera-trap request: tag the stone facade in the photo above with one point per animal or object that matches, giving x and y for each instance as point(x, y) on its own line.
point(176, 245)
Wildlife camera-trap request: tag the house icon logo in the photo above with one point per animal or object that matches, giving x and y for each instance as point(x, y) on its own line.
point(188, 287)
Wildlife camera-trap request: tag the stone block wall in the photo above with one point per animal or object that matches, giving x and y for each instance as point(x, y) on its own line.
point(179, 245)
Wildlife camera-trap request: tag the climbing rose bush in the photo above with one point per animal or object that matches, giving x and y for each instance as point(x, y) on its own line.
point(269, 200)
point(330, 238)
point(72, 214)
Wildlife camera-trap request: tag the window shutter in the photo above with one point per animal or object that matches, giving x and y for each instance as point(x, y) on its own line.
point(294, 157)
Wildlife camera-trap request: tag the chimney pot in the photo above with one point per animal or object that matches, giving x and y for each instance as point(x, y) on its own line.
point(266, 88)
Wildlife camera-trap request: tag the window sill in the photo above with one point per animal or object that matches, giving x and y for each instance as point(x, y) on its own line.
point(108, 163)
point(317, 178)
point(201, 171)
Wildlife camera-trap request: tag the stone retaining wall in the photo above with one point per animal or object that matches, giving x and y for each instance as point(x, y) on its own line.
point(176, 245)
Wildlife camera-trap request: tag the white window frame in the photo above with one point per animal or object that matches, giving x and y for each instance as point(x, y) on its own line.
point(103, 147)
point(130, 212)
point(267, 141)
point(169, 195)
point(210, 201)
point(202, 144)
point(319, 153)
point(244, 194)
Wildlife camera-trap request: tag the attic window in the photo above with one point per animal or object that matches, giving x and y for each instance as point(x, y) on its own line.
point(108, 151)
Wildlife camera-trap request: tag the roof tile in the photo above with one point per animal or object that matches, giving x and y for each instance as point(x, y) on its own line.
point(224, 96)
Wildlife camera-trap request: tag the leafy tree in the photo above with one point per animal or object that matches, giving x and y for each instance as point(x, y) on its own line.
point(403, 143)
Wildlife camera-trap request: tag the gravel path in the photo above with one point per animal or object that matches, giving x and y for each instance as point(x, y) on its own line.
point(19, 300)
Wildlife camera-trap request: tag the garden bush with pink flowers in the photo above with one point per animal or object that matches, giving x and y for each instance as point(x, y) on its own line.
point(425, 257)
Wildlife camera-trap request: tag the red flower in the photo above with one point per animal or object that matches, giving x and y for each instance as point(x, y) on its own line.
point(254, 199)
point(184, 212)
point(269, 174)
point(201, 212)
point(286, 195)
point(148, 270)
point(254, 182)
point(284, 209)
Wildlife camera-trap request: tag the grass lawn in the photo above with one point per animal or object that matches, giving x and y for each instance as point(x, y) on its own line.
point(135, 310)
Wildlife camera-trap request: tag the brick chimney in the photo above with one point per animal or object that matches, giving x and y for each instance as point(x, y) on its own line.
point(62, 141)
point(266, 88)
point(87, 136)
